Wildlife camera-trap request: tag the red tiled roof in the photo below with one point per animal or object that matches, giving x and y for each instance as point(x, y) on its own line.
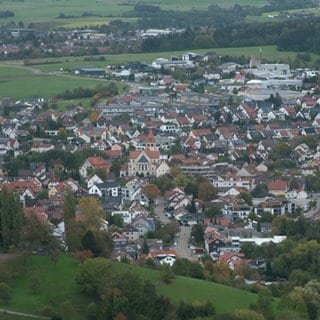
point(98, 163)
point(278, 185)
point(154, 254)
point(201, 132)
point(153, 154)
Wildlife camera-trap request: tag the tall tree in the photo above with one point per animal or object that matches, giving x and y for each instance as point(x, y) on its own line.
point(11, 218)
point(69, 213)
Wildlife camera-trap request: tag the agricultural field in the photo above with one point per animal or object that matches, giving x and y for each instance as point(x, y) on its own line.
point(268, 53)
point(57, 284)
point(49, 10)
point(18, 83)
point(276, 16)
point(49, 77)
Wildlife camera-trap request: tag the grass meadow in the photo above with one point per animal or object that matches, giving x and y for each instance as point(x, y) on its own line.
point(57, 284)
point(49, 10)
point(21, 83)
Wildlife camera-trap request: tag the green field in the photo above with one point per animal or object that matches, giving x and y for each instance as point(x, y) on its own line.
point(49, 10)
point(43, 77)
point(57, 284)
point(20, 83)
point(280, 16)
point(225, 299)
point(268, 53)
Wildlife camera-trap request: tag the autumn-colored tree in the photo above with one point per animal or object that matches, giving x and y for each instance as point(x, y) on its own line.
point(207, 191)
point(120, 316)
point(34, 233)
point(244, 314)
point(151, 190)
point(82, 255)
point(176, 170)
point(94, 115)
point(91, 212)
point(243, 270)
point(221, 272)
point(295, 301)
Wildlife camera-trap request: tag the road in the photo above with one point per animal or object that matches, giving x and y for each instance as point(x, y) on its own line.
point(181, 245)
point(314, 213)
point(159, 211)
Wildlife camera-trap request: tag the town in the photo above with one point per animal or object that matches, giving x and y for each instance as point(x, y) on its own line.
point(175, 156)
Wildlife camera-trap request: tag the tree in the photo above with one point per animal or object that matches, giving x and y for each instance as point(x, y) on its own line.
point(244, 314)
point(263, 304)
point(34, 282)
point(34, 233)
point(295, 302)
point(167, 275)
point(221, 272)
point(5, 293)
point(197, 232)
point(83, 255)
point(187, 268)
point(11, 218)
point(212, 211)
point(67, 311)
point(98, 242)
point(88, 242)
point(69, 214)
point(261, 190)
point(91, 211)
point(151, 190)
point(54, 248)
point(164, 183)
point(207, 191)
point(289, 315)
point(145, 247)
point(191, 207)
point(92, 274)
point(246, 196)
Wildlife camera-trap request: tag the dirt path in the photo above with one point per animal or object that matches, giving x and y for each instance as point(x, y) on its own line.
point(4, 311)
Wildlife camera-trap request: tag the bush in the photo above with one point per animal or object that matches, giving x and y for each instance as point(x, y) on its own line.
point(5, 293)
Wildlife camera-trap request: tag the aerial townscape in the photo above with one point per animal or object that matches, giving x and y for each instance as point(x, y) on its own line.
point(159, 161)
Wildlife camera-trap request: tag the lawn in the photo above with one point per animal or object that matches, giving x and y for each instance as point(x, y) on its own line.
point(225, 299)
point(57, 284)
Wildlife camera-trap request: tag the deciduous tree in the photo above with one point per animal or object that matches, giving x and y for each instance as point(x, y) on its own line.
point(11, 218)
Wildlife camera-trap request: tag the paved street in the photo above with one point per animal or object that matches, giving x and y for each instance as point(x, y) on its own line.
point(182, 243)
point(314, 214)
point(159, 211)
point(182, 238)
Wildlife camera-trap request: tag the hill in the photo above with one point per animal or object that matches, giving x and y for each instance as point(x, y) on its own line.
point(56, 285)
